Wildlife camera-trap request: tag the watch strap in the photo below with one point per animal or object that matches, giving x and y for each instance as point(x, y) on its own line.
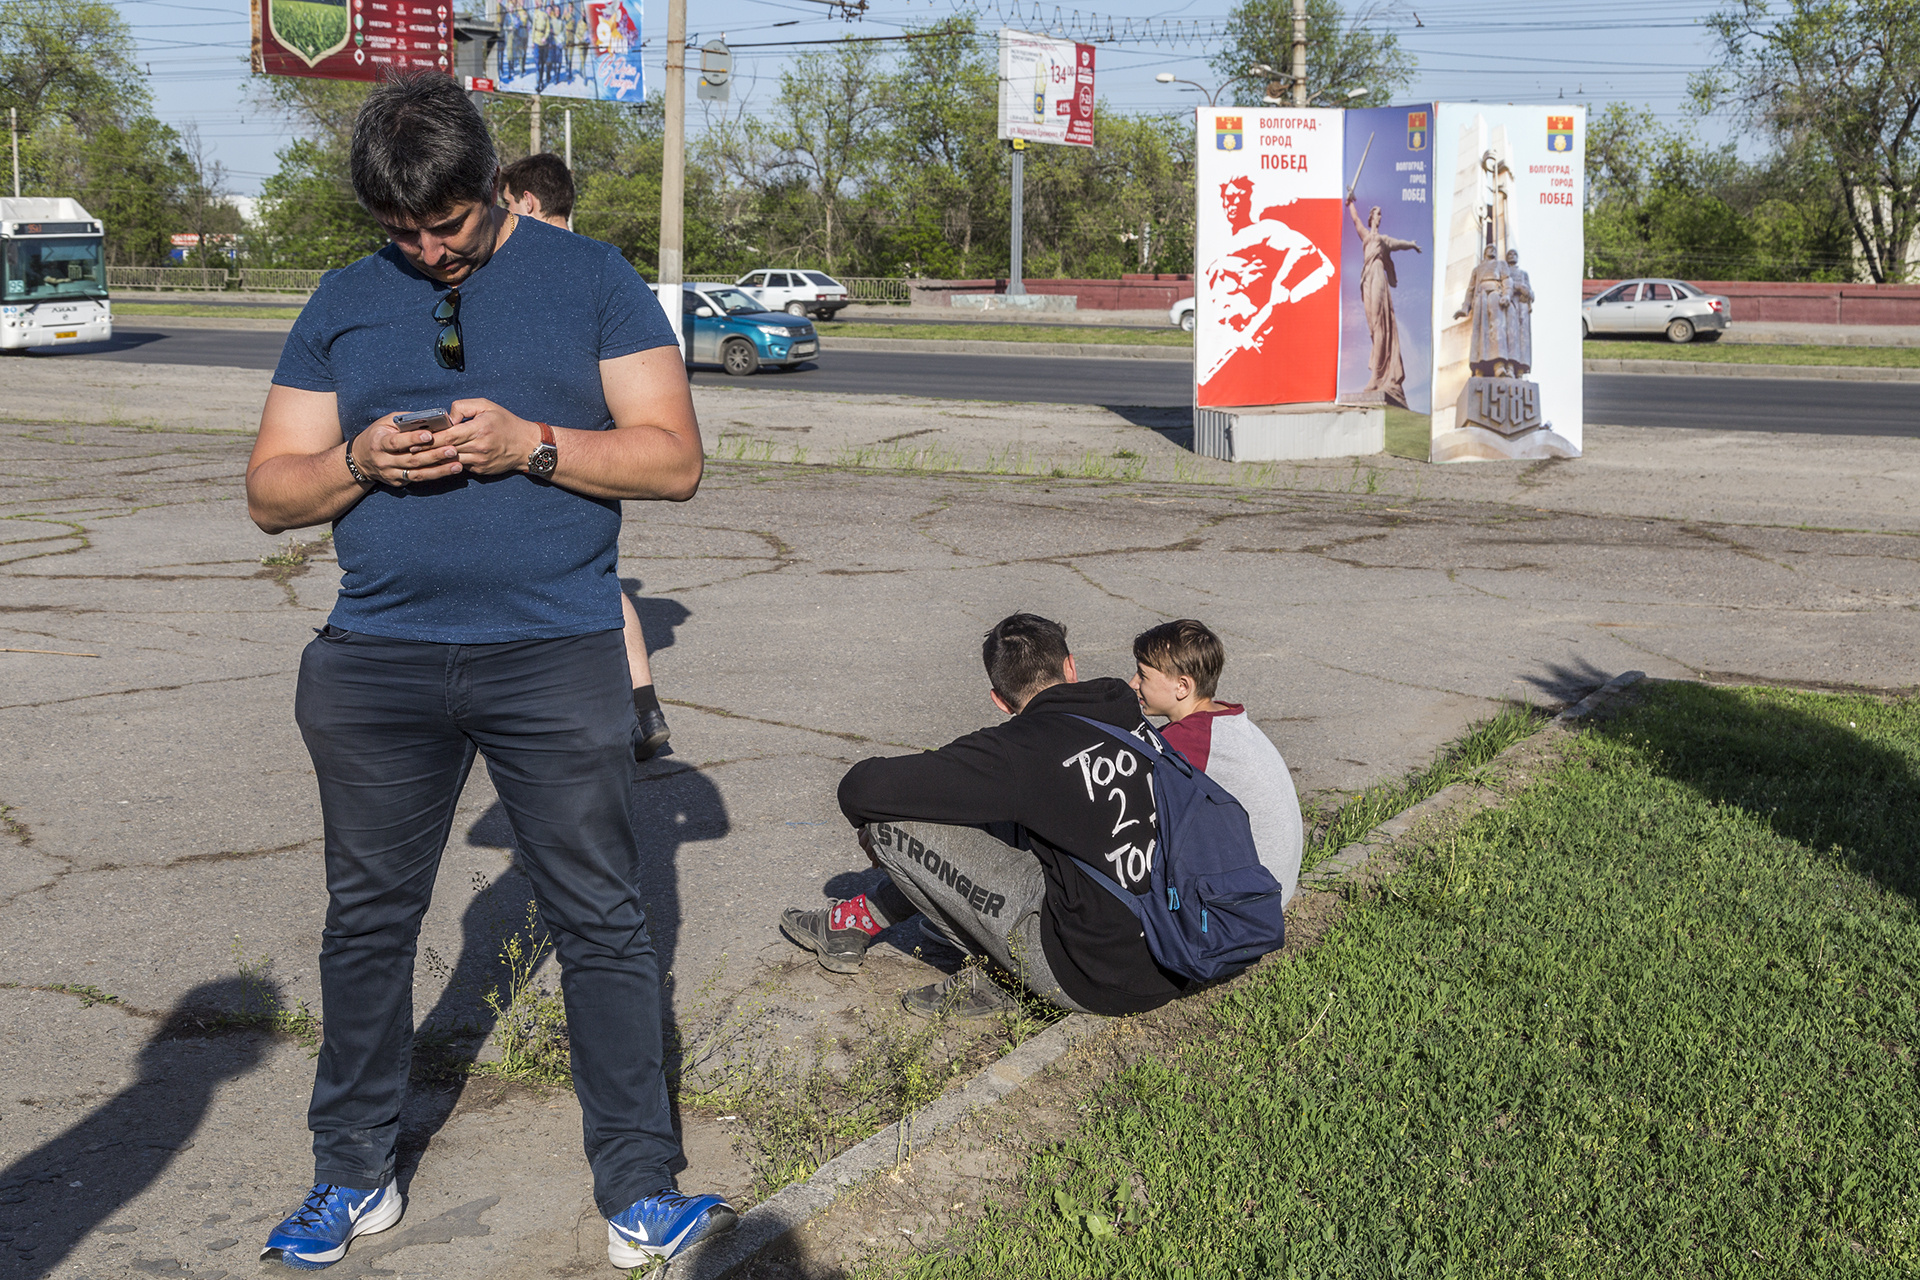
point(353, 469)
point(546, 433)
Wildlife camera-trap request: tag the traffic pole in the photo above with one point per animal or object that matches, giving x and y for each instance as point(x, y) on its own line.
point(533, 127)
point(673, 160)
point(1016, 281)
point(1299, 53)
point(13, 127)
point(566, 118)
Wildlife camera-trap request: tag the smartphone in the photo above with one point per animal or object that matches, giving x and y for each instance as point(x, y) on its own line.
point(434, 420)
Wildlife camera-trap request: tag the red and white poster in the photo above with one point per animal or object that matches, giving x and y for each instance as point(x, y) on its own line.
point(1046, 89)
point(351, 39)
point(1267, 247)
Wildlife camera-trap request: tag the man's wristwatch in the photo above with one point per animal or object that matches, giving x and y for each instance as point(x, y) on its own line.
point(543, 459)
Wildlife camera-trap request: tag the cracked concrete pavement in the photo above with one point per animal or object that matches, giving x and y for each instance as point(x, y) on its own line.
point(161, 827)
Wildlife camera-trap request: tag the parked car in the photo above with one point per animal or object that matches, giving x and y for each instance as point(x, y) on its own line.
point(1181, 314)
point(1673, 307)
point(797, 293)
point(730, 329)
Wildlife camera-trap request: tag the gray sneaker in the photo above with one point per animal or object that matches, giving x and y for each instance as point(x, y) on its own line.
point(931, 937)
point(839, 950)
point(967, 994)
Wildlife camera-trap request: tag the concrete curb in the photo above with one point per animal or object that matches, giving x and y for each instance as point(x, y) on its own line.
point(1709, 369)
point(798, 1203)
point(140, 323)
point(1462, 797)
point(969, 346)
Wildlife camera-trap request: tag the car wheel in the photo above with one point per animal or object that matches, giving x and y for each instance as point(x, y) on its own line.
point(1586, 331)
point(796, 308)
point(739, 358)
point(1186, 322)
point(1679, 330)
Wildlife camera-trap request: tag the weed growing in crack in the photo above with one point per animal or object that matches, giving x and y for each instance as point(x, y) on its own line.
point(290, 556)
point(13, 826)
point(90, 995)
point(1188, 471)
point(267, 1011)
point(530, 1022)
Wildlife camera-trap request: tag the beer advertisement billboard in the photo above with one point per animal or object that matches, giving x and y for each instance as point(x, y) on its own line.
point(1046, 89)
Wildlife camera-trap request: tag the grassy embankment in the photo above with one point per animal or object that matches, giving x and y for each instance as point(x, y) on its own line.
point(1657, 1016)
point(1755, 353)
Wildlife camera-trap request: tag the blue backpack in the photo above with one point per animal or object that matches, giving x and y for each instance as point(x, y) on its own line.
point(1212, 909)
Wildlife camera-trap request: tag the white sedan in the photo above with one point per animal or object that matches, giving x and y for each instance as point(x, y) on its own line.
point(1181, 314)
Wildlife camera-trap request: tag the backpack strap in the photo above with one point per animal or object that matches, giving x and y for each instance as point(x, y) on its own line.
point(1154, 740)
point(1105, 881)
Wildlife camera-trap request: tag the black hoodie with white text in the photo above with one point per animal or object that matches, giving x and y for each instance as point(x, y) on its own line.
point(1078, 793)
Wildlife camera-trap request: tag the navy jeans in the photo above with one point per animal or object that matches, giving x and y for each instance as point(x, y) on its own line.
point(393, 726)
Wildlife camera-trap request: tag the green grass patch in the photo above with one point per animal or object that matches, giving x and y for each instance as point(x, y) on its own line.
point(1655, 1017)
point(1103, 335)
point(209, 309)
point(312, 29)
point(1409, 435)
point(1755, 353)
point(1335, 827)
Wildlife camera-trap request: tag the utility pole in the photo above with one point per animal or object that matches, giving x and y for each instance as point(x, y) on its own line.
point(1299, 53)
point(533, 127)
point(567, 119)
point(1016, 279)
point(673, 164)
point(13, 126)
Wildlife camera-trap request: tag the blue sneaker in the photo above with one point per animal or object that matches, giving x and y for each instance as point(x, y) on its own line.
point(665, 1224)
point(316, 1235)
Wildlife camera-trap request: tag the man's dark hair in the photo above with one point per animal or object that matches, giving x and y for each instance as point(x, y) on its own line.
point(1184, 648)
point(1024, 654)
point(545, 175)
point(420, 148)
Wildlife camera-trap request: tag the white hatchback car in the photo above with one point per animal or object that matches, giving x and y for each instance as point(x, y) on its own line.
point(797, 293)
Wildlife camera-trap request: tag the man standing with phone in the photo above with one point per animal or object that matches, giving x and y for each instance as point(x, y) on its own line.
point(479, 612)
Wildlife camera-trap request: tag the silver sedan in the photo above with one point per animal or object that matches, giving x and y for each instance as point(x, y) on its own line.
point(1672, 307)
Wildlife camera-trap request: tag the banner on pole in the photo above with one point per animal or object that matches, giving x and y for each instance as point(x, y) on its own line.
point(1046, 89)
point(576, 49)
point(351, 39)
point(1386, 291)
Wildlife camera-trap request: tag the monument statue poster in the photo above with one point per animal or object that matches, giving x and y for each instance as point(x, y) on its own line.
point(1387, 259)
point(1269, 226)
point(1509, 198)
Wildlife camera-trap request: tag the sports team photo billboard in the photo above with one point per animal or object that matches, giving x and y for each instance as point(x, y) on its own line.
point(1386, 258)
point(1267, 238)
point(568, 50)
point(1509, 201)
point(1046, 89)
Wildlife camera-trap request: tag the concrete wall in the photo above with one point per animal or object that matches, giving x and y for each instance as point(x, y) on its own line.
point(1128, 293)
point(1808, 303)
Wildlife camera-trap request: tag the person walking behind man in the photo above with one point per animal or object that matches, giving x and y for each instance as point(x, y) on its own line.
point(478, 612)
point(541, 186)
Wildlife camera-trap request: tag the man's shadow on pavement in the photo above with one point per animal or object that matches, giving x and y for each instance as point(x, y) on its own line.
point(68, 1187)
point(659, 616)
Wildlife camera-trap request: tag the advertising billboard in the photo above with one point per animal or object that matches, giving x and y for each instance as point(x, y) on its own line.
point(351, 39)
point(1046, 89)
point(1509, 199)
point(1386, 285)
point(1267, 246)
point(568, 50)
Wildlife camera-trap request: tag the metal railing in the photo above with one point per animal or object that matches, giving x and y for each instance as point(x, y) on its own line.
point(280, 279)
point(199, 279)
point(875, 289)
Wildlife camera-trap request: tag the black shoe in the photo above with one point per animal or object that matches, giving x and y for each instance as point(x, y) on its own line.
point(650, 736)
point(967, 994)
point(931, 939)
point(840, 950)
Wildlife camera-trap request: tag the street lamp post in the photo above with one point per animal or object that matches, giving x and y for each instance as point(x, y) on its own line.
point(1276, 84)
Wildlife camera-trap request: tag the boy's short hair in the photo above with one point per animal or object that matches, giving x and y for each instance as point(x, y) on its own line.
point(545, 175)
point(1183, 648)
point(1024, 653)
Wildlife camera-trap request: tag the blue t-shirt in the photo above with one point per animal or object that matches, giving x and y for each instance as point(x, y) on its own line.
point(473, 559)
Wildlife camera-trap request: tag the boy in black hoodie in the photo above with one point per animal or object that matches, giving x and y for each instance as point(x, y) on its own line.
point(980, 836)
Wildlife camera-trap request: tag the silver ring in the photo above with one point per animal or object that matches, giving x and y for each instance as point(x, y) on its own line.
point(406, 476)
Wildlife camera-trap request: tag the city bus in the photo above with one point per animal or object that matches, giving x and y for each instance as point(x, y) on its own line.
point(53, 274)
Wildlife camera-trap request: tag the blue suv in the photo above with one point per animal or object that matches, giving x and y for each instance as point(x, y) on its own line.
point(730, 329)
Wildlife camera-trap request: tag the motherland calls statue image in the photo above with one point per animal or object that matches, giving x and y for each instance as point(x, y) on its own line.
point(1387, 374)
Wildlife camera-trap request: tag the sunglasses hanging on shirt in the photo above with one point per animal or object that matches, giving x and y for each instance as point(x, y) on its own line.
point(448, 348)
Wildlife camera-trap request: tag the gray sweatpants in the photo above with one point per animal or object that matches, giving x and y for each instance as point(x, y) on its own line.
point(981, 887)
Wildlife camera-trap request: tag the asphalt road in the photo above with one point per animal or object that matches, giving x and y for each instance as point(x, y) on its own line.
point(1797, 405)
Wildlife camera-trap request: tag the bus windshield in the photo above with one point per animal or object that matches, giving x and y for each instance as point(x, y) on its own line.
point(43, 269)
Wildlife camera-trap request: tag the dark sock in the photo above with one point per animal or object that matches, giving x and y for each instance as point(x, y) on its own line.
point(888, 903)
point(644, 700)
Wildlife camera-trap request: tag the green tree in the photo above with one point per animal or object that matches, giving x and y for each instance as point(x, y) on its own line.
point(1342, 55)
point(70, 60)
point(1844, 74)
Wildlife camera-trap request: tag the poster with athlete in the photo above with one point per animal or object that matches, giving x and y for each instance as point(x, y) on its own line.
point(1387, 256)
point(1267, 243)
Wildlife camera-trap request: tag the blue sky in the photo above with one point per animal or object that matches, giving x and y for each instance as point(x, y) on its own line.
point(1638, 51)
